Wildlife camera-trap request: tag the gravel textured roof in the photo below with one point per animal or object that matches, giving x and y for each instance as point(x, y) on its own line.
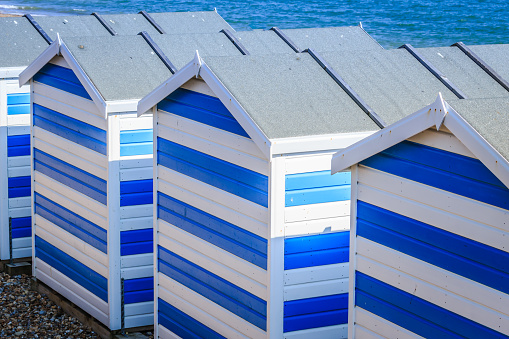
point(260, 42)
point(71, 25)
point(289, 95)
point(496, 56)
point(20, 43)
point(392, 82)
point(490, 118)
point(191, 22)
point(129, 24)
point(332, 39)
point(463, 72)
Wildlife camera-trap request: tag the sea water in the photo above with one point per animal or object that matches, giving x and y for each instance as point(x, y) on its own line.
point(393, 22)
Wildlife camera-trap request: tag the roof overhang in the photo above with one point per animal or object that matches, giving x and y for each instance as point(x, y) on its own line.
point(11, 72)
point(198, 68)
point(437, 114)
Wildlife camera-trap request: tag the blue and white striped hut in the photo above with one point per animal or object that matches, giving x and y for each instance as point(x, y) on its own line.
point(430, 222)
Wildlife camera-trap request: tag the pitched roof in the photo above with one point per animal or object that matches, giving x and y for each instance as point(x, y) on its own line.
point(261, 42)
point(496, 56)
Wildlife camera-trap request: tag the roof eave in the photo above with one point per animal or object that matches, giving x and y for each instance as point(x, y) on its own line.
point(11, 72)
point(49, 53)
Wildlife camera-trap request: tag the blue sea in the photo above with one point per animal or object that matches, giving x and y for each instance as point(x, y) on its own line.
point(393, 22)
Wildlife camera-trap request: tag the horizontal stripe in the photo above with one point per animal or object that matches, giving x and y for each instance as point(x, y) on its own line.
point(72, 268)
point(413, 313)
point(22, 232)
point(472, 181)
point(138, 290)
point(214, 171)
point(61, 78)
point(69, 128)
point(213, 287)
point(202, 108)
point(71, 222)
point(367, 322)
point(138, 148)
point(21, 227)
point(218, 232)
point(71, 176)
point(182, 324)
point(19, 187)
point(136, 192)
point(316, 250)
point(316, 179)
point(136, 242)
point(317, 273)
point(136, 142)
point(471, 259)
point(319, 195)
point(315, 289)
point(18, 145)
point(18, 98)
point(18, 109)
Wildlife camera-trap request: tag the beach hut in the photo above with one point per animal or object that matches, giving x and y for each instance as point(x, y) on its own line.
point(430, 222)
point(22, 40)
point(92, 167)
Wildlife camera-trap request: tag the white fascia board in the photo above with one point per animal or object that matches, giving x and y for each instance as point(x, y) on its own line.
point(481, 148)
point(236, 109)
point(84, 79)
point(119, 106)
point(317, 143)
point(11, 72)
point(168, 87)
point(390, 135)
point(49, 53)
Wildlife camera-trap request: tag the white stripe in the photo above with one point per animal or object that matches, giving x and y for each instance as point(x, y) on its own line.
point(317, 211)
point(205, 311)
point(361, 332)
point(137, 161)
point(215, 253)
point(316, 289)
point(13, 87)
point(318, 226)
point(316, 273)
point(214, 149)
point(73, 158)
point(328, 332)
point(164, 333)
point(379, 325)
point(18, 119)
point(25, 252)
point(19, 202)
point(437, 208)
point(137, 211)
point(441, 140)
point(70, 199)
point(434, 275)
point(20, 212)
point(224, 198)
point(200, 86)
point(136, 223)
point(18, 161)
point(207, 205)
point(24, 242)
point(210, 133)
point(18, 130)
point(210, 264)
point(72, 245)
point(308, 163)
point(137, 272)
point(129, 174)
point(135, 260)
point(71, 290)
point(139, 320)
point(74, 106)
point(139, 308)
point(132, 124)
point(15, 172)
point(70, 147)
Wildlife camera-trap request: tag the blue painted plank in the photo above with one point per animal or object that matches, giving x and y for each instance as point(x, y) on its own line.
point(19, 192)
point(182, 324)
point(140, 247)
point(72, 268)
point(136, 136)
point(71, 222)
point(447, 181)
point(18, 151)
point(315, 320)
point(199, 100)
point(21, 222)
point(233, 298)
point(14, 182)
point(136, 186)
point(22, 232)
point(71, 176)
point(18, 109)
point(413, 313)
point(132, 199)
point(139, 284)
point(138, 296)
point(317, 242)
point(18, 140)
point(61, 78)
point(316, 179)
point(18, 98)
point(134, 236)
point(316, 305)
point(218, 232)
point(317, 195)
point(434, 255)
point(139, 148)
point(316, 258)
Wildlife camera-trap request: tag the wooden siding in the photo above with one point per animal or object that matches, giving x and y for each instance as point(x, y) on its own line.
point(316, 248)
point(431, 243)
point(212, 191)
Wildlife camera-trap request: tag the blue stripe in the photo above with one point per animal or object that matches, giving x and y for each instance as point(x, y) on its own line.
point(138, 148)
point(181, 324)
point(201, 108)
point(71, 222)
point(61, 78)
point(18, 98)
point(316, 250)
point(315, 312)
point(413, 313)
point(71, 129)
point(22, 233)
point(72, 268)
point(218, 232)
point(71, 176)
point(18, 145)
point(231, 297)
point(18, 109)
point(316, 187)
point(316, 179)
point(21, 227)
point(213, 171)
point(19, 187)
point(138, 290)
point(18, 151)
point(137, 241)
point(136, 142)
point(465, 257)
point(473, 181)
point(136, 192)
